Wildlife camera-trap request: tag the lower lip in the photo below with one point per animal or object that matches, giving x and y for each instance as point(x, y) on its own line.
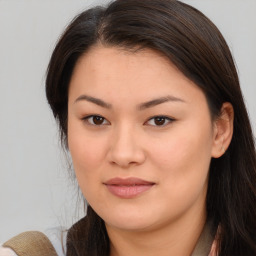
point(128, 191)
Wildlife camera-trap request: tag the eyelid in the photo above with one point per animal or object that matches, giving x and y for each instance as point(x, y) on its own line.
point(86, 119)
point(168, 118)
point(106, 122)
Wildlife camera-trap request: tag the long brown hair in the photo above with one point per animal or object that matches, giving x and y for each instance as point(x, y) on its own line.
point(194, 44)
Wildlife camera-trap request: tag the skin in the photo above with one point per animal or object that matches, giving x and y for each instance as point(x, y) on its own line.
point(127, 142)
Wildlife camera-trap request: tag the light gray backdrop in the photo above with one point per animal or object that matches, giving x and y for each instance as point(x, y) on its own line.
point(35, 191)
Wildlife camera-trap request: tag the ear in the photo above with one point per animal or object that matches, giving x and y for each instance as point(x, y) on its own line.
point(223, 130)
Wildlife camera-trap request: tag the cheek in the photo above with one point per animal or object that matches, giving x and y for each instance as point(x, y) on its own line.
point(87, 152)
point(87, 157)
point(181, 149)
point(184, 158)
point(183, 172)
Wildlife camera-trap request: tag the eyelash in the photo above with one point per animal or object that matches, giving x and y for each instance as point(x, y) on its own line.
point(167, 120)
point(90, 120)
point(87, 118)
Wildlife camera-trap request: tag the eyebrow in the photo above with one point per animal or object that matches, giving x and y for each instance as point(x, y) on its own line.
point(155, 102)
point(96, 101)
point(142, 106)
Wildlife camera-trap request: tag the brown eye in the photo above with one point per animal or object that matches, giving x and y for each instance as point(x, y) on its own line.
point(160, 121)
point(96, 120)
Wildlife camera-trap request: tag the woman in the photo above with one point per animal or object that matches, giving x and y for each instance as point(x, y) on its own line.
point(149, 105)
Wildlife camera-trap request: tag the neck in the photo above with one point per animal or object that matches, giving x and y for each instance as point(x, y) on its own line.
point(178, 238)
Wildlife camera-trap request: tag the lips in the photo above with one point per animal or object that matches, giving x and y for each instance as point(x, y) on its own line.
point(129, 187)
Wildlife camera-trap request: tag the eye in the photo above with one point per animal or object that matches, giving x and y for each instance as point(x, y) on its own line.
point(96, 120)
point(159, 121)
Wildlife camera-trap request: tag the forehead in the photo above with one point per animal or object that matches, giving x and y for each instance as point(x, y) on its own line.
point(100, 58)
point(110, 71)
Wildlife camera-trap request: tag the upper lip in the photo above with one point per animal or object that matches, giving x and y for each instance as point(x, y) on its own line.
point(131, 181)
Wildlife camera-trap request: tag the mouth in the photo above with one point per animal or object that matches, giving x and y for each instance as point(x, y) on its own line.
point(129, 187)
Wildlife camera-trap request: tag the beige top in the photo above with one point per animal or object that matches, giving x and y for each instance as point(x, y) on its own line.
point(32, 243)
point(205, 241)
point(37, 244)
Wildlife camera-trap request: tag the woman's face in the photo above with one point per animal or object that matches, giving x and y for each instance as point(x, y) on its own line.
point(141, 138)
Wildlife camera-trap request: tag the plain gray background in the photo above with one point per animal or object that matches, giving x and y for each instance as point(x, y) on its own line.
point(36, 191)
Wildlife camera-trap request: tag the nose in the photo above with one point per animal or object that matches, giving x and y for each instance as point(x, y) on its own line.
point(125, 149)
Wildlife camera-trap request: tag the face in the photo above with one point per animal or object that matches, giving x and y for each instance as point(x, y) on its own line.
point(141, 138)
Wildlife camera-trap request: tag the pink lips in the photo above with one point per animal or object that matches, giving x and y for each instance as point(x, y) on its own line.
point(128, 188)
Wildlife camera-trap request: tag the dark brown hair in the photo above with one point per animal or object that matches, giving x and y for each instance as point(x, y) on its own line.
point(194, 44)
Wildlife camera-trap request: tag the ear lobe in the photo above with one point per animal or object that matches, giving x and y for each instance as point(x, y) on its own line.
point(223, 130)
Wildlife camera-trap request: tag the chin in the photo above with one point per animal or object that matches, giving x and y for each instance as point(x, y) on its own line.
point(130, 222)
point(132, 226)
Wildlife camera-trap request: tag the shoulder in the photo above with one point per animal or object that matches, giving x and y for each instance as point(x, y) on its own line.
point(58, 238)
point(51, 242)
point(7, 252)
